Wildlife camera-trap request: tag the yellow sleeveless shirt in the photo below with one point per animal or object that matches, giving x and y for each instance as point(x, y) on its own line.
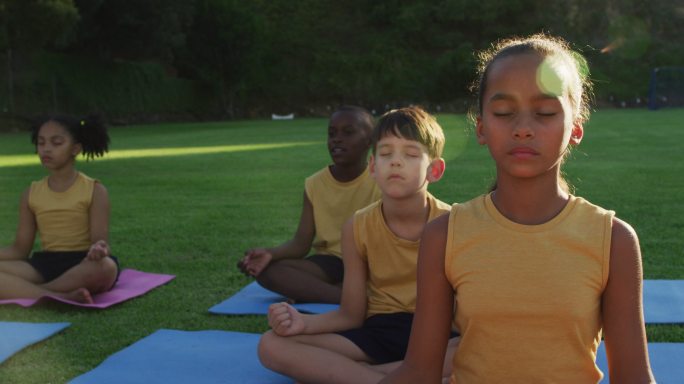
point(334, 202)
point(63, 218)
point(391, 260)
point(528, 297)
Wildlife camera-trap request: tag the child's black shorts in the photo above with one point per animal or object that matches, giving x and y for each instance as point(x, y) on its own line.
point(383, 337)
point(51, 265)
point(331, 265)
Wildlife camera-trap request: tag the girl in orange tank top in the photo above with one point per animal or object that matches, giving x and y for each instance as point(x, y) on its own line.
point(532, 104)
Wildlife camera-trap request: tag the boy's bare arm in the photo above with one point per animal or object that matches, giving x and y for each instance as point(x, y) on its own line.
point(354, 303)
point(287, 321)
point(300, 244)
point(257, 259)
point(26, 233)
point(434, 309)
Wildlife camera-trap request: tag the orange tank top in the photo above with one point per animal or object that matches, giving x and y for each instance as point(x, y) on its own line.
point(528, 297)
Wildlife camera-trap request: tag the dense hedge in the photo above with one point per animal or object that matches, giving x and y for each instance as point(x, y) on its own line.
point(124, 91)
point(208, 59)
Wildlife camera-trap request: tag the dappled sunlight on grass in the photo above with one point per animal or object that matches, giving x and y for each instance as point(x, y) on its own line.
point(32, 159)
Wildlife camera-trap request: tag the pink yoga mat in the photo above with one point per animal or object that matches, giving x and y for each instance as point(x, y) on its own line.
point(131, 284)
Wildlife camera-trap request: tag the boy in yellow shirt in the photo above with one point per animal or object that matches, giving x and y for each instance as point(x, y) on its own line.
point(380, 249)
point(331, 196)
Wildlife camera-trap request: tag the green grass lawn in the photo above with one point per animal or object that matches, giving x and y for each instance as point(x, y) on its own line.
point(188, 199)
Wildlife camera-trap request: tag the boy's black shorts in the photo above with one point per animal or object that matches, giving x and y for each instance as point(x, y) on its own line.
point(383, 337)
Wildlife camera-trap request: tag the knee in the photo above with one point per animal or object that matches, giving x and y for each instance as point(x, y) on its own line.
point(269, 348)
point(104, 275)
point(268, 277)
point(109, 269)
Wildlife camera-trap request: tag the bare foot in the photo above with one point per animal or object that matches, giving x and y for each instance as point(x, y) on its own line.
point(80, 295)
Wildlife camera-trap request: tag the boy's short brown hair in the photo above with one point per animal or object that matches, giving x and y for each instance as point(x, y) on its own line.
point(411, 123)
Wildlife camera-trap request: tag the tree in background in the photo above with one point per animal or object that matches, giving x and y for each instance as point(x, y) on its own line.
point(30, 25)
point(222, 48)
point(150, 30)
point(257, 57)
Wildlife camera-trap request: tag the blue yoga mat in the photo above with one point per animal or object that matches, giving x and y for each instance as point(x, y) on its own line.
point(666, 362)
point(664, 301)
point(254, 299)
point(197, 357)
point(169, 356)
point(16, 336)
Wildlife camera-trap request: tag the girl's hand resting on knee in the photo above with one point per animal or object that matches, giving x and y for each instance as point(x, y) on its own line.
point(99, 250)
point(285, 320)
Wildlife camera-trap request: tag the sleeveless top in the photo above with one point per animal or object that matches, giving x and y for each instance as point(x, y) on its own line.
point(63, 218)
point(391, 260)
point(333, 203)
point(528, 297)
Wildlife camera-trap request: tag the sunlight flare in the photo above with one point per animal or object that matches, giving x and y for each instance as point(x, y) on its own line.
point(32, 159)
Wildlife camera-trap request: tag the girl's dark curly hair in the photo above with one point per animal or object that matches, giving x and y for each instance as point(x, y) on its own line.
point(90, 131)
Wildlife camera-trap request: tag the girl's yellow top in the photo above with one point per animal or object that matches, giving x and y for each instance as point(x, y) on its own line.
point(528, 297)
point(63, 218)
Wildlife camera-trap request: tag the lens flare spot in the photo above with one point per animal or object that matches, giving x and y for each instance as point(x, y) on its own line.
point(549, 78)
point(613, 45)
point(629, 37)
